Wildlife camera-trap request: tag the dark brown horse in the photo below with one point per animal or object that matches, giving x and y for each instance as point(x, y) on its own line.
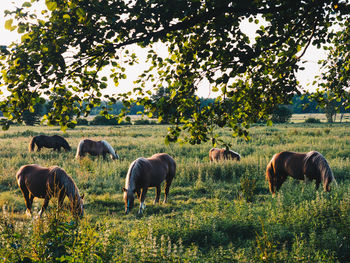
point(216, 154)
point(54, 141)
point(95, 148)
point(148, 172)
point(301, 166)
point(42, 182)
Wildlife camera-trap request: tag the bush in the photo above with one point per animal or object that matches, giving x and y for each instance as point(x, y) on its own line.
point(281, 114)
point(82, 121)
point(143, 122)
point(312, 120)
point(102, 120)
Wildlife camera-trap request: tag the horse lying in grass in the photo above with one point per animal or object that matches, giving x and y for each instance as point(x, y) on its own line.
point(54, 141)
point(95, 148)
point(42, 182)
point(216, 154)
point(301, 166)
point(148, 172)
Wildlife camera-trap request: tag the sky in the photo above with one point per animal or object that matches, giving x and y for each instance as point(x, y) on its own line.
point(305, 77)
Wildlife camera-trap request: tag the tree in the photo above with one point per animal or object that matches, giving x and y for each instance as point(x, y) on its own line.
point(281, 114)
point(63, 53)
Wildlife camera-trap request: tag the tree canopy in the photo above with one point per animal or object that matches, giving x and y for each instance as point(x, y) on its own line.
point(63, 50)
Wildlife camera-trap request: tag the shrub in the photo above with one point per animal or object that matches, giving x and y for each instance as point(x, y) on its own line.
point(82, 121)
point(102, 120)
point(281, 114)
point(312, 120)
point(143, 122)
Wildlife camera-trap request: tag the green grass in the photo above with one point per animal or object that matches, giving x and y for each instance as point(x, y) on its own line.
point(217, 212)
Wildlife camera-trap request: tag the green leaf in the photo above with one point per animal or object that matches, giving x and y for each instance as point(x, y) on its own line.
point(51, 5)
point(80, 12)
point(8, 24)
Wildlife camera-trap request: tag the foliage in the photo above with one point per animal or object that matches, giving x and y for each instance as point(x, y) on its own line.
point(281, 114)
point(312, 120)
point(82, 121)
point(102, 120)
point(73, 41)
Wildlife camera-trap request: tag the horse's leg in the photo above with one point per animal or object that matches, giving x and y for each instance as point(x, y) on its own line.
point(142, 200)
point(156, 201)
point(28, 199)
point(45, 204)
point(280, 180)
point(318, 181)
point(138, 193)
point(167, 187)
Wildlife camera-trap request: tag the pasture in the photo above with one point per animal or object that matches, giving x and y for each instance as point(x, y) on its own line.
point(216, 212)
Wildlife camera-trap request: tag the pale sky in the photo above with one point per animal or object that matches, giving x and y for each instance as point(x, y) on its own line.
point(305, 77)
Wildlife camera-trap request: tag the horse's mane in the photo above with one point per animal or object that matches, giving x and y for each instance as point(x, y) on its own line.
point(80, 145)
point(110, 149)
point(321, 163)
point(69, 185)
point(133, 172)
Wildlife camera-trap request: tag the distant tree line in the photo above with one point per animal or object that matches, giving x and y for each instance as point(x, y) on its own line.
point(300, 104)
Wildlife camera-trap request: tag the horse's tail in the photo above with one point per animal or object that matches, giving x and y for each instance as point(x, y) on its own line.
point(79, 149)
point(270, 176)
point(32, 144)
point(110, 149)
point(322, 165)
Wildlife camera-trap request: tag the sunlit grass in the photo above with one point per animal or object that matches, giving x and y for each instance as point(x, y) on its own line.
point(211, 215)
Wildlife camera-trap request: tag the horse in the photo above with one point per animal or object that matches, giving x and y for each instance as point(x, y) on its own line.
point(301, 166)
point(95, 148)
point(48, 182)
point(54, 141)
point(148, 172)
point(216, 154)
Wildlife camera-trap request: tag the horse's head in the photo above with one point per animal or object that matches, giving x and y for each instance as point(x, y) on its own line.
point(327, 184)
point(128, 200)
point(79, 206)
point(115, 157)
point(234, 156)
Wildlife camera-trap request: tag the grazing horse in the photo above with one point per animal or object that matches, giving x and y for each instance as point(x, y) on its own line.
point(95, 148)
point(148, 172)
point(54, 141)
point(301, 166)
point(43, 182)
point(216, 154)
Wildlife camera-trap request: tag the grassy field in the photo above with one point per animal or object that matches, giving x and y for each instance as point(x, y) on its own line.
point(217, 212)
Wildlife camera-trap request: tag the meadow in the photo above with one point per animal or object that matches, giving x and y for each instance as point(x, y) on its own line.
point(216, 212)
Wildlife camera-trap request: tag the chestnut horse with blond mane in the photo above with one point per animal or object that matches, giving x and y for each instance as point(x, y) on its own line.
point(148, 172)
point(216, 154)
point(301, 166)
point(95, 148)
point(43, 182)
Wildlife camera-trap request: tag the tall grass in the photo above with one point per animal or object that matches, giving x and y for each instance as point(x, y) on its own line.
point(217, 212)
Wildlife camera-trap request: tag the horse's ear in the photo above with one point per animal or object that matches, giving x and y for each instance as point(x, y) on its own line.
point(82, 196)
point(124, 189)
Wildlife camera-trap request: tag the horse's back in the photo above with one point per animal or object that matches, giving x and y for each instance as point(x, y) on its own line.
point(163, 166)
point(34, 178)
point(289, 163)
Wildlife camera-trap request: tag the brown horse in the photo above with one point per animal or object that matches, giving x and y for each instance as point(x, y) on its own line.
point(54, 141)
point(301, 166)
point(148, 172)
point(216, 154)
point(42, 182)
point(95, 148)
